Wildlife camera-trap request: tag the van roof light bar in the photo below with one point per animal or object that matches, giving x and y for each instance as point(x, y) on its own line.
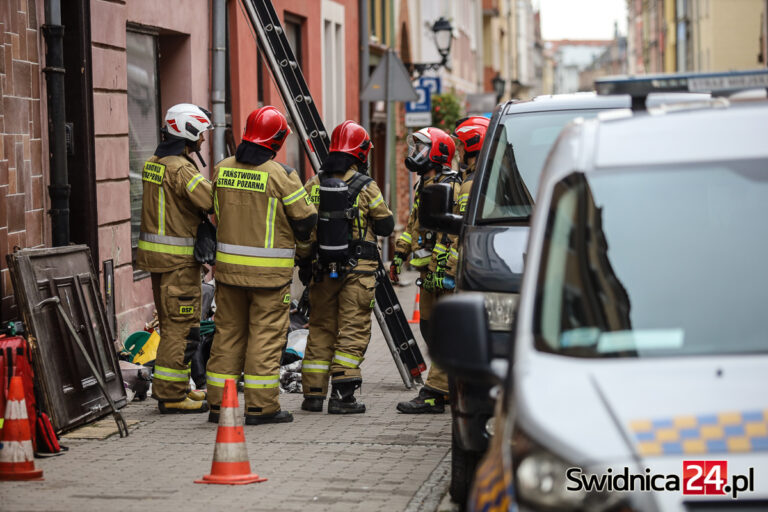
point(639, 87)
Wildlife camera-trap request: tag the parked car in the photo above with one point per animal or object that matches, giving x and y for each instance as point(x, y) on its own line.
point(640, 365)
point(494, 234)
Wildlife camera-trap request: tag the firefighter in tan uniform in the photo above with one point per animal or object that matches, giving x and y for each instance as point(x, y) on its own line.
point(262, 210)
point(343, 260)
point(469, 136)
point(175, 198)
point(430, 154)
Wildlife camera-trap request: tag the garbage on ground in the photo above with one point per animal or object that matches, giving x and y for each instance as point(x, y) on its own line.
point(134, 342)
point(290, 377)
point(136, 379)
point(148, 351)
point(295, 346)
point(153, 324)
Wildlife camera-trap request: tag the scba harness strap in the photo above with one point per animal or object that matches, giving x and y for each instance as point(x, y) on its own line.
point(355, 185)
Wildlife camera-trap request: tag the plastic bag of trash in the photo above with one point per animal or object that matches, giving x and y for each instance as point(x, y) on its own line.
point(290, 377)
point(290, 366)
point(137, 379)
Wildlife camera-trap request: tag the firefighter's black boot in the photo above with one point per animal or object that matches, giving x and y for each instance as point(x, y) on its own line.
point(343, 400)
point(427, 402)
point(213, 415)
point(263, 419)
point(312, 404)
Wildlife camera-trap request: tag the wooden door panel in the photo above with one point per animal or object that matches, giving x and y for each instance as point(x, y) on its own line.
point(70, 390)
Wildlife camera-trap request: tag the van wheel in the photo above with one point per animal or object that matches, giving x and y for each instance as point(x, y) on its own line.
point(463, 466)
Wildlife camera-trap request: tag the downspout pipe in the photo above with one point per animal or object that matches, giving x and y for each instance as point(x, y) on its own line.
point(365, 109)
point(218, 64)
point(59, 189)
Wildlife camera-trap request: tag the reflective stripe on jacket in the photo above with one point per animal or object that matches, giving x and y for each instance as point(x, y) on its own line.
point(254, 206)
point(174, 198)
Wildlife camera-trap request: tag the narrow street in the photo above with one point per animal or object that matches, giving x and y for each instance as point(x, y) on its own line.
point(382, 460)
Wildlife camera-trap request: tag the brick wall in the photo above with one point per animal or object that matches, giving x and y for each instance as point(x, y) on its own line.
point(110, 116)
point(23, 134)
point(183, 77)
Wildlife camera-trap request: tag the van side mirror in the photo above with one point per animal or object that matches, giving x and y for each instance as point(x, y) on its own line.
point(460, 337)
point(435, 209)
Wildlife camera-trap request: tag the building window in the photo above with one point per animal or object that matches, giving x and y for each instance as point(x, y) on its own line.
point(294, 153)
point(334, 70)
point(143, 116)
point(379, 21)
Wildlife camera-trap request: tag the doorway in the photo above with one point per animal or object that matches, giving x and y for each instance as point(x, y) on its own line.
point(78, 96)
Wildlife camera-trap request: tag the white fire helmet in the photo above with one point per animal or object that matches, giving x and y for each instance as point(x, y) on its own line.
point(187, 121)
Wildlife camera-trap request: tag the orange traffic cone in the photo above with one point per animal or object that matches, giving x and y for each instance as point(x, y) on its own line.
point(416, 308)
point(16, 452)
point(230, 457)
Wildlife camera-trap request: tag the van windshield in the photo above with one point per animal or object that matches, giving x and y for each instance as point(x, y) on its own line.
point(659, 261)
point(517, 156)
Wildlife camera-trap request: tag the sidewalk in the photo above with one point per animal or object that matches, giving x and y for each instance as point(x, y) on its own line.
point(381, 460)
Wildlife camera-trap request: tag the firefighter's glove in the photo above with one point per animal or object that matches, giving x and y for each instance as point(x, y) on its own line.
point(396, 266)
point(428, 283)
point(439, 280)
point(443, 282)
point(305, 271)
point(442, 262)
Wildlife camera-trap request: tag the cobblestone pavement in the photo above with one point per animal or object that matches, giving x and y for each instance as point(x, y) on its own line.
point(381, 460)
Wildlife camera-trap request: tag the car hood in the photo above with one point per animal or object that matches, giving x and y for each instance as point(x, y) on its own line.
point(492, 258)
point(603, 410)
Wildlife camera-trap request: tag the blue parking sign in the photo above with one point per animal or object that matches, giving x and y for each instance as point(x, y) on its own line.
point(423, 104)
point(432, 83)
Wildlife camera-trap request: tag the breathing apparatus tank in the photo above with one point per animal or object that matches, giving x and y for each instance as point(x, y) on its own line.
point(333, 225)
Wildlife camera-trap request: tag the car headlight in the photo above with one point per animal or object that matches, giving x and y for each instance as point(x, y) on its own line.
point(541, 480)
point(490, 427)
point(501, 309)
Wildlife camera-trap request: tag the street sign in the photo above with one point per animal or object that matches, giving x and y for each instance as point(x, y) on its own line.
point(418, 119)
point(432, 83)
point(419, 113)
point(390, 81)
point(423, 104)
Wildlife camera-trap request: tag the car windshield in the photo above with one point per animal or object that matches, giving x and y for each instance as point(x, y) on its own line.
point(517, 156)
point(660, 261)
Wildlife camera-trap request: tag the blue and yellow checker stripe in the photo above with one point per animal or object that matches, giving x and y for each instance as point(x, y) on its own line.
point(725, 432)
point(493, 488)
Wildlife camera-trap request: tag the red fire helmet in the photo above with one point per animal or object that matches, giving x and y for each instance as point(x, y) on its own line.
point(267, 127)
point(471, 132)
point(352, 139)
point(443, 147)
